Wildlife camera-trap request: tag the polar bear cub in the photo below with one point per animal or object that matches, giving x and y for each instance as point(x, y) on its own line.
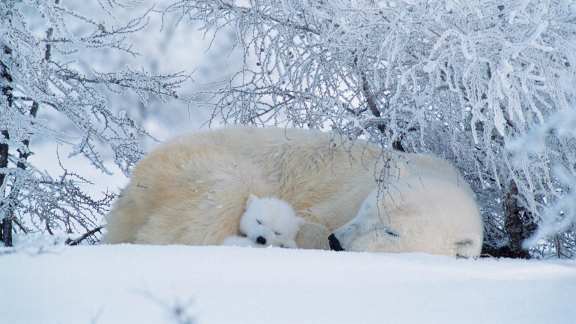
point(267, 221)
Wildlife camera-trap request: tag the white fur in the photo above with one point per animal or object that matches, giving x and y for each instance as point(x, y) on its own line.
point(194, 189)
point(236, 240)
point(271, 220)
point(401, 216)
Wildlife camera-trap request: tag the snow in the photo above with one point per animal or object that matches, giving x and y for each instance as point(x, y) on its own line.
point(140, 284)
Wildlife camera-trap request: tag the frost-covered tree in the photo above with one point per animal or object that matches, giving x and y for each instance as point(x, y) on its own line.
point(461, 79)
point(555, 140)
point(164, 45)
point(44, 75)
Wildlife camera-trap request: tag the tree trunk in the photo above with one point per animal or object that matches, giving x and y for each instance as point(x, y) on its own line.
point(6, 91)
point(6, 220)
point(519, 224)
point(7, 231)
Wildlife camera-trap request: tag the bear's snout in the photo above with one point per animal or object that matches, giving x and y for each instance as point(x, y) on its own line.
point(334, 243)
point(261, 240)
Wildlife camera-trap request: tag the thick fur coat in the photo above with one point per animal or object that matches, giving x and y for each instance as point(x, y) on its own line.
point(193, 190)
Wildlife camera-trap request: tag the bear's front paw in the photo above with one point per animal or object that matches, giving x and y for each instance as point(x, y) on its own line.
point(238, 241)
point(313, 236)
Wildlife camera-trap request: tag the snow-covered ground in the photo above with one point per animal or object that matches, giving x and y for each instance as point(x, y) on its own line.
point(150, 284)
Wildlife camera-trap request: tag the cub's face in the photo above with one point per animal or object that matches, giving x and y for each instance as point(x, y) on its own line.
point(270, 221)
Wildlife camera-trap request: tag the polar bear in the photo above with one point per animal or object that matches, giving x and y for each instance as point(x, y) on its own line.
point(267, 221)
point(400, 215)
point(193, 190)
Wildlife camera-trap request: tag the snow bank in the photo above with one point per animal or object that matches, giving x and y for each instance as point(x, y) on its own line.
point(146, 284)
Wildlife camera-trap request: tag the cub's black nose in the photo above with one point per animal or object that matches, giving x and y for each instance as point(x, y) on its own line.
point(334, 243)
point(260, 240)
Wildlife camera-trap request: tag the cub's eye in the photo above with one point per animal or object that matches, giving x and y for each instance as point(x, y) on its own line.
point(259, 222)
point(277, 233)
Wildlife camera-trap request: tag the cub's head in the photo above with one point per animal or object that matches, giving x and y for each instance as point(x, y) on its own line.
point(270, 221)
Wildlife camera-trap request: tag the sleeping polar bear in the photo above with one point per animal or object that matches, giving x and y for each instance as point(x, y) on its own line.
point(193, 190)
point(431, 205)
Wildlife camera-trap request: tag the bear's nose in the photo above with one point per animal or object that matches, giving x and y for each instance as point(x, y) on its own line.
point(334, 243)
point(260, 240)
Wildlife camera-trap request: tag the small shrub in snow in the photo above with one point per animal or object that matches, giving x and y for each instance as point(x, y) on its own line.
point(42, 78)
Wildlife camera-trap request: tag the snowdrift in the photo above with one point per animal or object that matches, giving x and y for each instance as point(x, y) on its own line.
point(209, 285)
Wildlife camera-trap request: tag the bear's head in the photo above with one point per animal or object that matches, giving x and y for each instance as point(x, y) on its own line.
point(368, 231)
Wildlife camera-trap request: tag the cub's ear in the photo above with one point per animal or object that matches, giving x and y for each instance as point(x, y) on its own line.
point(251, 199)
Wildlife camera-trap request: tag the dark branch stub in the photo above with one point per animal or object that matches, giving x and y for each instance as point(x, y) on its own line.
point(519, 222)
point(84, 236)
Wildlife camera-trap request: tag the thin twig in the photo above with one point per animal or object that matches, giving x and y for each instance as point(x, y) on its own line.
point(83, 237)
